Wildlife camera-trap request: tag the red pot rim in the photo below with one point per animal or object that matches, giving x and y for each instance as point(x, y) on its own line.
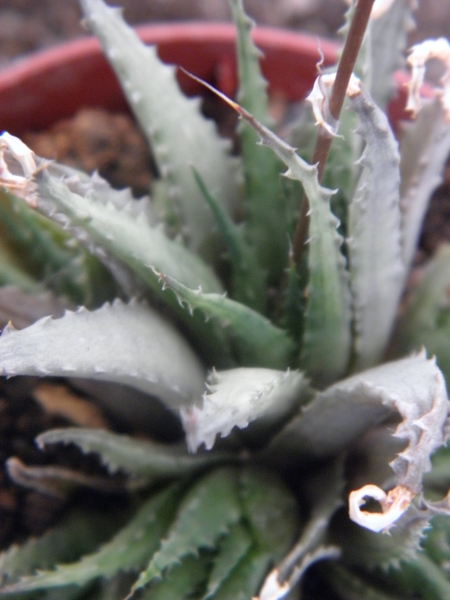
point(54, 83)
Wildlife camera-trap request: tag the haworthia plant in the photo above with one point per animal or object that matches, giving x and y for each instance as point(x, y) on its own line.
point(311, 406)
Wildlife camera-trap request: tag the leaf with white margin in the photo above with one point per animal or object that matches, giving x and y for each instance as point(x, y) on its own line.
point(205, 514)
point(327, 338)
point(141, 458)
point(237, 397)
point(123, 232)
point(177, 131)
point(124, 343)
point(377, 270)
point(255, 340)
point(266, 210)
point(389, 28)
point(414, 387)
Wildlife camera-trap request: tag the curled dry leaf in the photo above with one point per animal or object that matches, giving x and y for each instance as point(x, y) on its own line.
point(394, 504)
point(21, 184)
point(419, 55)
point(58, 481)
point(420, 397)
point(319, 98)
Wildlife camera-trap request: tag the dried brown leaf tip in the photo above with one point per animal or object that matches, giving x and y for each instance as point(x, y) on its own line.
point(419, 55)
point(17, 167)
point(320, 96)
point(393, 504)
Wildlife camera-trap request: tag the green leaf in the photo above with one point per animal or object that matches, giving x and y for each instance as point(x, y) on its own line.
point(252, 92)
point(247, 277)
point(255, 340)
point(341, 169)
point(123, 232)
point(125, 343)
point(327, 320)
point(326, 338)
point(245, 580)
point(205, 514)
point(123, 453)
point(270, 509)
point(183, 581)
point(233, 549)
point(426, 318)
point(352, 586)
point(294, 300)
point(79, 533)
point(380, 552)
point(239, 396)
point(265, 206)
point(422, 576)
point(127, 551)
point(49, 254)
point(377, 270)
point(178, 134)
point(437, 541)
point(271, 512)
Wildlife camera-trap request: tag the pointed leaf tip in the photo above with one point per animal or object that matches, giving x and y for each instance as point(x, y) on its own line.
point(237, 397)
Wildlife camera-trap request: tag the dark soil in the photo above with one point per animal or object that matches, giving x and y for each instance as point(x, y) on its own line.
point(97, 140)
point(26, 512)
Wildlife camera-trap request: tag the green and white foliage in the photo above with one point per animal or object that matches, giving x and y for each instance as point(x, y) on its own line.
point(311, 404)
point(374, 237)
point(178, 134)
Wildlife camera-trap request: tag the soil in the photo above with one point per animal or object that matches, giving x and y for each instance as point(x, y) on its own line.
point(98, 140)
point(26, 511)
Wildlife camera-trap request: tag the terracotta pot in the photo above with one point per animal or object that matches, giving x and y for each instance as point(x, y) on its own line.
point(54, 84)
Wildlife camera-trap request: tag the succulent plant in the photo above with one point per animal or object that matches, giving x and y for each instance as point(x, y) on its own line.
point(315, 424)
